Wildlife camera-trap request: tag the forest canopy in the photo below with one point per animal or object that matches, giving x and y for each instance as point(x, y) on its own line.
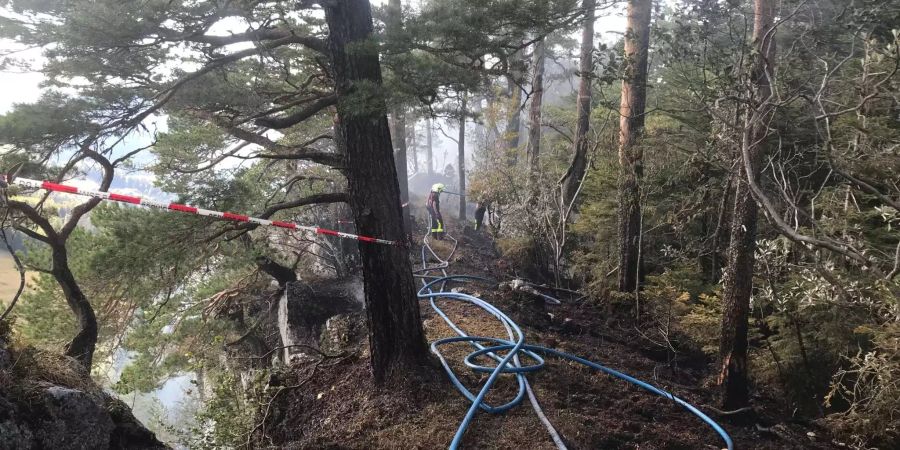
point(721, 178)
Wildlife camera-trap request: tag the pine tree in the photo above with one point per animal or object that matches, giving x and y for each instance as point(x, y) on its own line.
point(631, 124)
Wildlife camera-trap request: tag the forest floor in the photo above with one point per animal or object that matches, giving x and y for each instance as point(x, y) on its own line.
point(338, 407)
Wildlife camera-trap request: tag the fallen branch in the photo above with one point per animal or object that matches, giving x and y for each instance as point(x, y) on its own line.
point(557, 289)
point(729, 413)
point(303, 346)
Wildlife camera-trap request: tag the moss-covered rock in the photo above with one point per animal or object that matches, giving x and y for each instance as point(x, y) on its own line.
point(47, 401)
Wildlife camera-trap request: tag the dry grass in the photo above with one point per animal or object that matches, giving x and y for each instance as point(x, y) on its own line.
point(35, 366)
point(441, 247)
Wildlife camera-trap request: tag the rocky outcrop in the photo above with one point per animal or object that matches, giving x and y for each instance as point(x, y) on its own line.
point(69, 418)
point(47, 402)
point(309, 314)
point(342, 332)
point(13, 434)
point(128, 432)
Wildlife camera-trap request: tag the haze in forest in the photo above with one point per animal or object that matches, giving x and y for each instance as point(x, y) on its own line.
point(450, 223)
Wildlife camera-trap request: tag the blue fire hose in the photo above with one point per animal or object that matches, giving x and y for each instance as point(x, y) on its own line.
point(509, 353)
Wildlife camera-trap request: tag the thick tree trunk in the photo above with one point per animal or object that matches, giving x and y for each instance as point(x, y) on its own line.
point(84, 343)
point(396, 339)
point(461, 157)
point(738, 283)
point(572, 179)
point(631, 125)
point(429, 149)
point(534, 115)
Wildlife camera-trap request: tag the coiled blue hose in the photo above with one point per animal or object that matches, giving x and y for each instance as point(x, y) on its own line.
point(514, 348)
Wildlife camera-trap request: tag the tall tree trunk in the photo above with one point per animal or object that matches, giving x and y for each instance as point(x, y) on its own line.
point(429, 150)
point(738, 285)
point(631, 125)
point(461, 157)
point(396, 339)
point(514, 115)
point(413, 150)
point(534, 115)
point(84, 343)
point(398, 137)
point(720, 234)
point(398, 133)
point(738, 282)
point(572, 179)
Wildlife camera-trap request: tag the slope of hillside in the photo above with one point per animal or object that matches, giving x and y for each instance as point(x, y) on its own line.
point(332, 403)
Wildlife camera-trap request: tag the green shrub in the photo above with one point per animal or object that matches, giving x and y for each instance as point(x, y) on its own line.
point(688, 306)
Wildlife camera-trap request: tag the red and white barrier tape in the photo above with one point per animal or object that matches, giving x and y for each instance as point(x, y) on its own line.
point(190, 209)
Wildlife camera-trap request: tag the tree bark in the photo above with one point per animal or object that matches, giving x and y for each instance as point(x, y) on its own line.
point(738, 282)
point(461, 157)
point(396, 339)
point(84, 343)
point(534, 115)
point(572, 179)
point(631, 125)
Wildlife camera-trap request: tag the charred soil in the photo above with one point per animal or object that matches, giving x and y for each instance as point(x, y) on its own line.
point(334, 404)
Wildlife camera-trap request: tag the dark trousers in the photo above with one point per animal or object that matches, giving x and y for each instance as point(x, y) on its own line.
point(479, 215)
point(437, 222)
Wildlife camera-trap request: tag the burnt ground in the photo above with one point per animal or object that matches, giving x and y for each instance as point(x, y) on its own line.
point(334, 405)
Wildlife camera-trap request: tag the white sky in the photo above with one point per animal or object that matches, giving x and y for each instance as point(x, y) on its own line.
point(17, 86)
point(23, 87)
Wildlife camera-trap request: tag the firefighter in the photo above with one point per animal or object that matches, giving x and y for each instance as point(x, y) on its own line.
point(433, 204)
point(482, 203)
point(480, 209)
